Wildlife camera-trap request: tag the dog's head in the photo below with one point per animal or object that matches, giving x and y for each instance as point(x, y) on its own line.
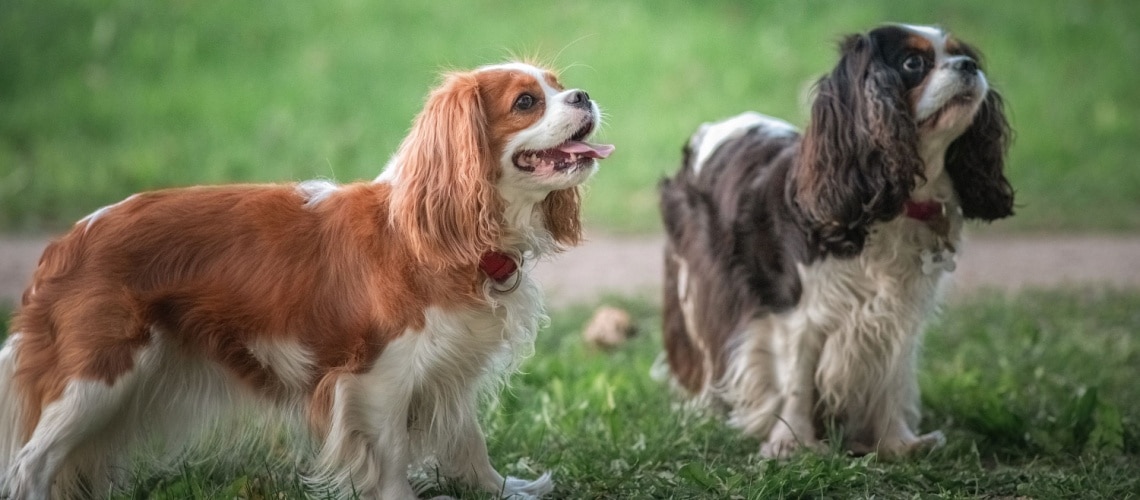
point(496, 140)
point(900, 95)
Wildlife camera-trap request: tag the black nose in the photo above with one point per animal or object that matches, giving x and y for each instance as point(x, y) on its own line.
point(579, 99)
point(966, 65)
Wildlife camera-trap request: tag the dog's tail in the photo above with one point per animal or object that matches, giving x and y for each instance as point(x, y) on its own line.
point(11, 410)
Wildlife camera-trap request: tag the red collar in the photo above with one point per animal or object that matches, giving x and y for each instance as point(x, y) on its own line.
point(498, 265)
point(923, 210)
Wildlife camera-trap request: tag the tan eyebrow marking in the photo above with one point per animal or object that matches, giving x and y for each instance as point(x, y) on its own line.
point(920, 43)
point(953, 46)
point(552, 80)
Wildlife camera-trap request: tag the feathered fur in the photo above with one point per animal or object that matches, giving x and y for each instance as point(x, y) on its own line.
point(357, 312)
point(801, 268)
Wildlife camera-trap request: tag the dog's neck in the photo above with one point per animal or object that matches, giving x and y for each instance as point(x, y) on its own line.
point(525, 229)
point(937, 186)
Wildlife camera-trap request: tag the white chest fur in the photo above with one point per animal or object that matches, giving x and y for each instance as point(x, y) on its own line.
point(852, 339)
point(458, 355)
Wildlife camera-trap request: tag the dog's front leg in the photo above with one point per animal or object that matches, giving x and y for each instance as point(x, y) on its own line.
point(897, 428)
point(798, 351)
point(367, 450)
point(465, 458)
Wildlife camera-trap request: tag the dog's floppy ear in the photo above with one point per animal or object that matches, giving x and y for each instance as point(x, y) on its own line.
point(444, 198)
point(976, 160)
point(860, 159)
point(562, 211)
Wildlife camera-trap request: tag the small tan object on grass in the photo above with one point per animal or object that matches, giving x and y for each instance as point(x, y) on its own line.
point(609, 328)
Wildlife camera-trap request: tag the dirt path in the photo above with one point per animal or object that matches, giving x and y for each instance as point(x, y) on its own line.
point(632, 265)
point(1008, 263)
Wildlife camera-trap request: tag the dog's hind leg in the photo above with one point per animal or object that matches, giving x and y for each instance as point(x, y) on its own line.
point(84, 409)
point(689, 363)
point(11, 409)
point(79, 360)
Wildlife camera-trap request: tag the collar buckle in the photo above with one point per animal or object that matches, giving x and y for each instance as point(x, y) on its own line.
point(500, 267)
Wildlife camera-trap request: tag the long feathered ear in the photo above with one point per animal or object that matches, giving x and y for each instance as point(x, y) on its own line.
point(859, 160)
point(562, 211)
point(976, 163)
point(444, 199)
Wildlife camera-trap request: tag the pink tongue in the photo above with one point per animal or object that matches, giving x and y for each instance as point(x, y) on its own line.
point(587, 149)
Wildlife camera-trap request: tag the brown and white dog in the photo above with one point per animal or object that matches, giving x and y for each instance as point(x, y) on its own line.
point(800, 269)
point(375, 313)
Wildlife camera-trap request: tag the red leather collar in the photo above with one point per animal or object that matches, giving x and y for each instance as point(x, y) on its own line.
point(498, 265)
point(923, 210)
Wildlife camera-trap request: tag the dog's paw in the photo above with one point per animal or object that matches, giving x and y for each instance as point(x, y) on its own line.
point(912, 445)
point(783, 447)
point(928, 441)
point(521, 489)
point(790, 437)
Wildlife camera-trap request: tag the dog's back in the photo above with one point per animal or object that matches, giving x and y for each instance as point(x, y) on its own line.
point(729, 224)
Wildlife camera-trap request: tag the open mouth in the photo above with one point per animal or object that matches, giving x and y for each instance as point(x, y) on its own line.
point(572, 154)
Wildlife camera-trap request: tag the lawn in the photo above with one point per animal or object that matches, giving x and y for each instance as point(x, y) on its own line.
point(1036, 394)
point(99, 99)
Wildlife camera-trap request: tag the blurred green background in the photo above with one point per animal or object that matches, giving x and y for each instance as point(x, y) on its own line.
point(102, 98)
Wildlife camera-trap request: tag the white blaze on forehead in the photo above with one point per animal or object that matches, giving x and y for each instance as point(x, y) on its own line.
point(533, 71)
point(936, 36)
point(931, 33)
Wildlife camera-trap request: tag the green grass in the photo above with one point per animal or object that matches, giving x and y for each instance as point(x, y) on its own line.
point(1036, 394)
point(103, 98)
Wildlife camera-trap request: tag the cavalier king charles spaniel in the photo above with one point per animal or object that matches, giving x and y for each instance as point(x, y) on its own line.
point(800, 268)
point(373, 314)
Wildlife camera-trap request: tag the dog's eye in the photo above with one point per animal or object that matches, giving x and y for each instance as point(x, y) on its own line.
point(525, 102)
point(914, 64)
